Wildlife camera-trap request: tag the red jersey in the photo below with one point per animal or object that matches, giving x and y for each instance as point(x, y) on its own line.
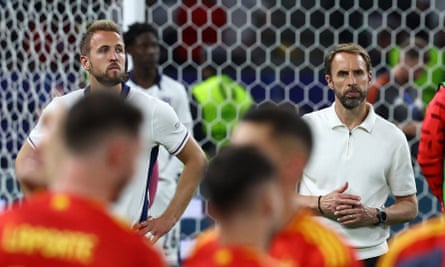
point(422, 245)
point(208, 253)
point(432, 144)
point(303, 242)
point(306, 242)
point(64, 230)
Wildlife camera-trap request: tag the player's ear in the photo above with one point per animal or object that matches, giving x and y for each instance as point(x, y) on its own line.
point(85, 62)
point(328, 79)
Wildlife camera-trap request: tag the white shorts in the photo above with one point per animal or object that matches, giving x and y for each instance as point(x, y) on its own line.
point(170, 242)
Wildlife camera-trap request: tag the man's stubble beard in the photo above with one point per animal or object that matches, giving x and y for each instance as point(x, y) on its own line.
point(351, 103)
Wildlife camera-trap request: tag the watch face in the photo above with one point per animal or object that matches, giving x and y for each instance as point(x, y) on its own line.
point(383, 216)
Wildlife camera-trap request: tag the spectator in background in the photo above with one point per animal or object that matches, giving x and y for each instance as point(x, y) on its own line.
point(89, 156)
point(246, 203)
point(219, 102)
point(393, 94)
point(432, 146)
point(142, 43)
point(200, 23)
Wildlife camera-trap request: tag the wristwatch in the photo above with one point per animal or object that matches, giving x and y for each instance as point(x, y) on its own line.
point(381, 216)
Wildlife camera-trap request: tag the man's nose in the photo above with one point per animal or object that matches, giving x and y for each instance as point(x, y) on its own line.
point(114, 55)
point(352, 79)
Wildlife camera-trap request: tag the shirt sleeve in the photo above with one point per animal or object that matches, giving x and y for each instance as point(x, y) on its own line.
point(401, 175)
point(37, 132)
point(168, 130)
point(182, 108)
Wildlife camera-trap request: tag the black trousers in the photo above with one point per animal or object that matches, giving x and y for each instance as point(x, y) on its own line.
point(370, 262)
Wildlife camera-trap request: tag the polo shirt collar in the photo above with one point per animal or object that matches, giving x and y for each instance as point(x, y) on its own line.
point(367, 125)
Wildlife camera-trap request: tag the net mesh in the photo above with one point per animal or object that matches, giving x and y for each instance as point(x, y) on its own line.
point(275, 49)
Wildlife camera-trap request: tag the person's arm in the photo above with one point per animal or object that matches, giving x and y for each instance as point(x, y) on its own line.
point(194, 165)
point(28, 170)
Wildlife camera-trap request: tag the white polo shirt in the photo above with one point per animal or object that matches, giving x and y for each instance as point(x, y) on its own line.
point(161, 126)
point(373, 158)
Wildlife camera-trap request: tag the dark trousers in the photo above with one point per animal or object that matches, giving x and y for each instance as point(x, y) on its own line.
point(370, 262)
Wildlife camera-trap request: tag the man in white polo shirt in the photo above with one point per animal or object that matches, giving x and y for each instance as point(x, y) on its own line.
point(358, 159)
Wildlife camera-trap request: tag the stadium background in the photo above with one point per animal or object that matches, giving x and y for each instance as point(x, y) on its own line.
point(274, 48)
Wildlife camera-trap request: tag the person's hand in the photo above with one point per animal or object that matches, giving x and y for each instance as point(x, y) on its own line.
point(410, 129)
point(356, 216)
point(330, 202)
point(154, 228)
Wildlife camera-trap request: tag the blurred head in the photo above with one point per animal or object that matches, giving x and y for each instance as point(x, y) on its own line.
point(413, 59)
point(105, 128)
point(103, 53)
point(282, 135)
point(348, 74)
point(250, 189)
point(142, 43)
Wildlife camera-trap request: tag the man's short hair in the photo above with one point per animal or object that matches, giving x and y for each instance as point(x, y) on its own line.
point(95, 117)
point(284, 122)
point(100, 25)
point(136, 29)
point(233, 175)
point(350, 48)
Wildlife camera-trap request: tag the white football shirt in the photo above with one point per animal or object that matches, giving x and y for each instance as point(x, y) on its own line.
point(161, 126)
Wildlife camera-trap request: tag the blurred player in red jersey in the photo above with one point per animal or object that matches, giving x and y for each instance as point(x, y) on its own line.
point(432, 146)
point(287, 140)
point(89, 155)
point(241, 189)
point(422, 245)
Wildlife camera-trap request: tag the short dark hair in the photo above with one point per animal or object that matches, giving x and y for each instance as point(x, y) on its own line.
point(233, 174)
point(284, 122)
point(350, 48)
point(100, 25)
point(97, 116)
point(136, 29)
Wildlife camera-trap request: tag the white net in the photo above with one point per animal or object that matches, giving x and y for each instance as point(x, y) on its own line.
point(275, 49)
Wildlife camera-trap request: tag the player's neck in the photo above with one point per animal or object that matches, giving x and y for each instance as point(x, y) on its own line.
point(81, 179)
point(252, 233)
point(145, 78)
point(290, 206)
point(96, 86)
point(352, 117)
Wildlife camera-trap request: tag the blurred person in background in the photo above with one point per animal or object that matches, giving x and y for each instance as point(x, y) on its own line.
point(88, 156)
point(219, 102)
point(300, 239)
point(142, 44)
point(247, 205)
point(393, 95)
point(432, 146)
